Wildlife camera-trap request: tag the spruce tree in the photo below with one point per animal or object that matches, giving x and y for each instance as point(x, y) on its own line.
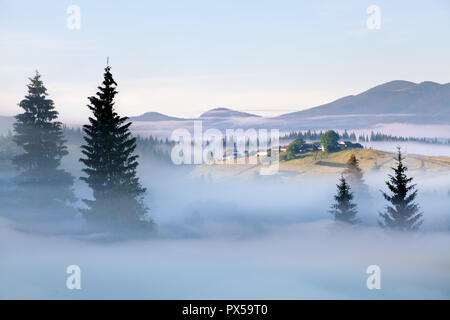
point(344, 210)
point(110, 164)
point(402, 213)
point(44, 188)
point(354, 175)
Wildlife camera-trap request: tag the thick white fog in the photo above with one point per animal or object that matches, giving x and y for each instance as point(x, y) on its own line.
point(260, 238)
point(302, 260)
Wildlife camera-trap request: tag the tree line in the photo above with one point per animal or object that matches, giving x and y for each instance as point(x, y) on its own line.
point(147, 147)
point(353, 137)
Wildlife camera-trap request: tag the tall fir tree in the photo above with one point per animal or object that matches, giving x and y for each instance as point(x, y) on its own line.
point(44, 188)
point(344, 210)
point(110, 164)
point(354, 175)
point(402, 213)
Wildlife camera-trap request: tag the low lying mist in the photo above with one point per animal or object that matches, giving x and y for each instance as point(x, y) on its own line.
point(231, 238)
point(297, 261)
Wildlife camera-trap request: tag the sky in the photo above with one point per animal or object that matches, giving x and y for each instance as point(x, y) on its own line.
point(182, 58)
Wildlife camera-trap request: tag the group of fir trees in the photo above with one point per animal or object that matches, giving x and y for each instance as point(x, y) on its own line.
point(107, 154)
point(401, 213)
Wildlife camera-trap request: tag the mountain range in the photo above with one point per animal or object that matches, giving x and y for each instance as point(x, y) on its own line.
point(392, 102)
point(425, 103)
point(403, 101)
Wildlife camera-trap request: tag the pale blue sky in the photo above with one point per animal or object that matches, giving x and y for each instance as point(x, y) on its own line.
point(185, 57)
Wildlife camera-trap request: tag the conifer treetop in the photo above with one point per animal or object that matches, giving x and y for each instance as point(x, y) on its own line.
point(344, 209)
point(402, 213)
point(36, 102)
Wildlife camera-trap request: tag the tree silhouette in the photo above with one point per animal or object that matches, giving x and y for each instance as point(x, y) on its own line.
point(344, 210)
point(111, 165)
point(354, 175)
point(43, 187)
point(402, 213)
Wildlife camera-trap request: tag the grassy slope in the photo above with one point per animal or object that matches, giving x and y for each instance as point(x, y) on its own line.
point(319, 163)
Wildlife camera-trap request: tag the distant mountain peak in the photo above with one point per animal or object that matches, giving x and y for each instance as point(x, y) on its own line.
point(431, 83)
point(395, 85)
point(402, 85)
point(154, 116)
point(225, 113)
